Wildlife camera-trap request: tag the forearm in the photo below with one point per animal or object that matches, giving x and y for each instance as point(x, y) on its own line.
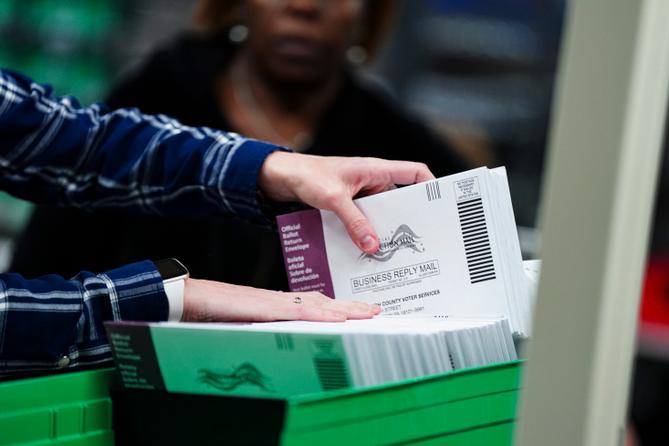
point(54, 151)
point(51, 323)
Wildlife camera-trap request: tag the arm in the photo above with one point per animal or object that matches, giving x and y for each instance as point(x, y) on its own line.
point(57, 152)
point(51, 323)
point(53, 150)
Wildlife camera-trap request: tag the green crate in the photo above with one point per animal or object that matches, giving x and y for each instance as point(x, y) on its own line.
point(71, 409)
point(14, 214)
point(473, 407)
point(424, 409)
point(79, 22)
point(84, 77)
point(7, 11)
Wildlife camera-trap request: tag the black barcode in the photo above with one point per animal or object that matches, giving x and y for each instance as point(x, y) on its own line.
point(331, 373)
point(477, 241)
point(284, 341)
point(433, 192)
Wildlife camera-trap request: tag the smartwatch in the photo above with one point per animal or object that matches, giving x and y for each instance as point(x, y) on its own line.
point(174, 275)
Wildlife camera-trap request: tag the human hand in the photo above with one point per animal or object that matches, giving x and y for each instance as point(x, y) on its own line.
point(331, 183)
point(208, 301)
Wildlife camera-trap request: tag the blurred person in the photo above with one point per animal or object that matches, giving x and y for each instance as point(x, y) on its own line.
point(54, 151)
point(279, 71)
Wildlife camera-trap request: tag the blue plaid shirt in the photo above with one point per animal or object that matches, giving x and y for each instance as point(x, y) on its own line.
point(54, 151)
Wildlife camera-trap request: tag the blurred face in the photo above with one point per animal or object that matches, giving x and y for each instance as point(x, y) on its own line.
point(301, 41)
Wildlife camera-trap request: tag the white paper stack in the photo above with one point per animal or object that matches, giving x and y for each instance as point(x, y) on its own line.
point(389, 349)
point(448, 247)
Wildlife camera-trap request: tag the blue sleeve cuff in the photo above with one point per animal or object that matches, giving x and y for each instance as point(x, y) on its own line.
point(136, 293)
point(241, 179)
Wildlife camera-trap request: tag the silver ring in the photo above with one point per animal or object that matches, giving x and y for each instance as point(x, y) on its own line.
point(297, 300)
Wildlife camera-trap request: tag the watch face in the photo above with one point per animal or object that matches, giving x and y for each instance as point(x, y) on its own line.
point(170, 268)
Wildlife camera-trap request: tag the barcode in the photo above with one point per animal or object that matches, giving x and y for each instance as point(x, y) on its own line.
point(477, 241)
point(331, 373)
point(284, 341)
point(433, 192)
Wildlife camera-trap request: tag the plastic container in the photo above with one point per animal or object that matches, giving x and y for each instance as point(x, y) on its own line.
point(70, 409)
point(473, 407)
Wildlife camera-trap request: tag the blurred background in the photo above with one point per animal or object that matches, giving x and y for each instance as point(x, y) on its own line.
point(480, 72)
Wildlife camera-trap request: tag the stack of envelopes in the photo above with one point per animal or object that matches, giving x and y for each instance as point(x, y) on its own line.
point(280, 359)
point(447, 247)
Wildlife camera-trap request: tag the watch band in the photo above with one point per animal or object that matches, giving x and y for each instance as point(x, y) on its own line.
point(174, 275)
point(174, 289)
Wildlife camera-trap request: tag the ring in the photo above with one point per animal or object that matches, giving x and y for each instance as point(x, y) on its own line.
point(297, 300)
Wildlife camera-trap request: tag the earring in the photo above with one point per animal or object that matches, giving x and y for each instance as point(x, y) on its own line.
point(356, 54)
point(238, 33)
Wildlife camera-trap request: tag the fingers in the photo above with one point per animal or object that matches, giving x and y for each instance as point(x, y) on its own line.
point(352, 309)
point(358, 227)
point(405, 172)
point(314, 314)
point(328, 310)
point(315, 307)
point(208, 301)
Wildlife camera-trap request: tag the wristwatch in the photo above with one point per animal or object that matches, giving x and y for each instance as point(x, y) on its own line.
point(174, 275)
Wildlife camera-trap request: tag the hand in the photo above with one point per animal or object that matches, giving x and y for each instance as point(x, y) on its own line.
point(331, 183)
point(208, 301)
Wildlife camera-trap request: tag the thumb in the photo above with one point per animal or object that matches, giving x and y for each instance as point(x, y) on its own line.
point(358, 227)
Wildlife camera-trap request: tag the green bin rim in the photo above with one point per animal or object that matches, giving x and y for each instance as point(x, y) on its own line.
point(343, 393)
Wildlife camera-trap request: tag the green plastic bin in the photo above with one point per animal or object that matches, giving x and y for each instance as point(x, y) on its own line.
point(471, 407)
point(460, 405)
point(71, 409)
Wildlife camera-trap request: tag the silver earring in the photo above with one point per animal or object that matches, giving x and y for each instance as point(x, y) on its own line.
point(356, 54)
point(238, 33)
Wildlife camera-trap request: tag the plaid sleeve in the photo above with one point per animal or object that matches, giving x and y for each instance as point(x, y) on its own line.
point(55, 151)
point(51, 323)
